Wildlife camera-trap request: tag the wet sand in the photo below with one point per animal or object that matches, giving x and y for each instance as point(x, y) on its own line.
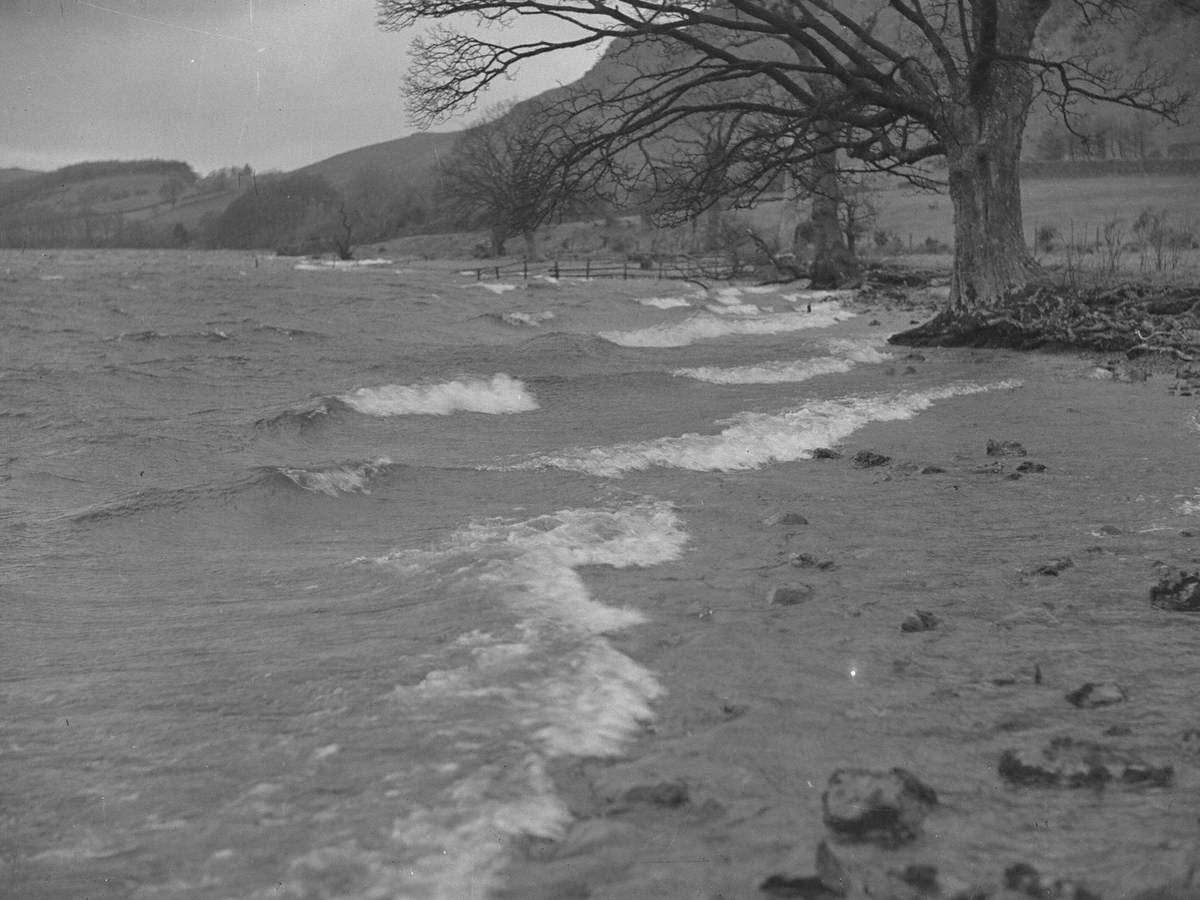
point(764, 702)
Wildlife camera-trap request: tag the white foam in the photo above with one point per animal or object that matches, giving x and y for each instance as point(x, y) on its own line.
point(528, 319)
point(860, 350)
point(495, 287)
point(499, 394)
point(707, 327)
point(768, 373)
point(566, 690)
point(734, 309)
point(663, 302)
point(751, 440)
point(320, 265)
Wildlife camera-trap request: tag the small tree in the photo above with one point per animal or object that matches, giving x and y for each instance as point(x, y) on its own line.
point(514, 172)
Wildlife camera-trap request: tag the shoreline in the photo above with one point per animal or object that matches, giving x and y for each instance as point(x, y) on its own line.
point(763, 703)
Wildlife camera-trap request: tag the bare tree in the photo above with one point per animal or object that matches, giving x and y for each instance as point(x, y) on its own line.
point(890, 82)
point(515, 172)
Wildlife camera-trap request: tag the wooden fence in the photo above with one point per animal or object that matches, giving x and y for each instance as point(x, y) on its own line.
point(693, 268)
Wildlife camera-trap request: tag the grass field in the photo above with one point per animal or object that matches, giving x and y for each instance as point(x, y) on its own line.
point(1085, 203)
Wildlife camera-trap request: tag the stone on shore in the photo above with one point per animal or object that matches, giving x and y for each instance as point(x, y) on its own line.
point(868, 459)
point(885, 808)
point(826, 453)
point(1066, 762)
point(1005, 448)
point(1094, 694)
point(790, 594)
point(1178, 591)
point(921, 620)
point(785, 518)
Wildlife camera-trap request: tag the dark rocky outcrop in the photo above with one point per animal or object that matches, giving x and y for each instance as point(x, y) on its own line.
point(1094, 694)
point(790, 594)
point(1070, 763)
point(885, 808)
point(1178, 591)
point(867, 459)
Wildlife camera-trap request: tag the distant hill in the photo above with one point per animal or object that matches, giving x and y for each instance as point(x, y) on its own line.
point(110, 203)
point(15, 174)
point(407, 160)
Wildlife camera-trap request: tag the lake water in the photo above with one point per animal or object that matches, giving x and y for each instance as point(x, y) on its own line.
point(295, 596)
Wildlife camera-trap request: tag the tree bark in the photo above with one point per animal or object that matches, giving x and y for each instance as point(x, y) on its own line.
point(833, 264)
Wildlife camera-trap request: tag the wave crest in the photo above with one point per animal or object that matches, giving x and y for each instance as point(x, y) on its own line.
point(499, 394)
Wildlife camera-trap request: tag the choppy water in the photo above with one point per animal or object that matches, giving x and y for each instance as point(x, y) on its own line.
point(292, 598)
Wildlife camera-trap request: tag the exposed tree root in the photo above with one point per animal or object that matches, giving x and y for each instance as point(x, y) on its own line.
point(1134, 319)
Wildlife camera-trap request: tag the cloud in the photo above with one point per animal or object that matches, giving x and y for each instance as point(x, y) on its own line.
point(276, 83)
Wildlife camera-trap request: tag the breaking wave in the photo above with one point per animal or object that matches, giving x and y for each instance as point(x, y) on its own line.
point(710, 326)
point(751, 440)
point(499, 394)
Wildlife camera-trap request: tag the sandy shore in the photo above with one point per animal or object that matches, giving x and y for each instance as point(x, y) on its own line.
point(764, 702)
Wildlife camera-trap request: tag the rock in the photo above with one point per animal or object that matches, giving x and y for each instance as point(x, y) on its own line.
point(885, 808)
point(830, 881)
point(867, 459)
point(825, 453)
point(667, 794)
point(1066, 762)
point(790, 594)
point(921, 620)
point(1093, 694)
point(1109, 529)
point(785, 518)
point(808, 561)
point(933, 470)
point(916, 357)
point(990, 469)
point(873, 322)
point(1177, 590)
point(1054, 567)
point(1005, 448)
point(1025, 879)
point(1031, 467)
point(909, 370)
point(1189, 741)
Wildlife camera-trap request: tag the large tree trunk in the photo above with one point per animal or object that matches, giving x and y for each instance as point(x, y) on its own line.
point(833, 263)
point(981, 128)
point(991, 257)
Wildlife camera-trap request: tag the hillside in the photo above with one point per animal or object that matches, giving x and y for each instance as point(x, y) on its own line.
point(403, 161)
point(110, 203)
point(14, 174)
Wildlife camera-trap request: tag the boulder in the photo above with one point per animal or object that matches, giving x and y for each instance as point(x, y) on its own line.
point(1177, 590)
point(1093, 694)
point(1005, 448)
point(867, 459)
point(825, 453)
point(1066, 762)
point(885, 808)
point(790, 594)
point(785, 518)
point(920, 620)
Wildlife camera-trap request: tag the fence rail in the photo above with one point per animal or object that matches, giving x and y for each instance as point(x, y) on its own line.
point(676, 267)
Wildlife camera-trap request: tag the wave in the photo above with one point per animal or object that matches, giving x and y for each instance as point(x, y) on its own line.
point(769, 372)
point(551, 685)
point(711, 326)
point(751, 440)
point(335, 480)
point(320, 265)
point(151, 335)
point(330, 480)
point(520, 319)
point(301, 417)
point(663, 302)
point(499, 394)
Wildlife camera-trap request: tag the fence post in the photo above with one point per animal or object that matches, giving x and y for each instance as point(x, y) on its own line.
point(625, 271)
point(525, 269)
point(497, 273)
point(556, 269)
point(479, 274)
point(587, 269)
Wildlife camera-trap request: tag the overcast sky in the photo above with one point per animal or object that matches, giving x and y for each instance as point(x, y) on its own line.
point(277, 84)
